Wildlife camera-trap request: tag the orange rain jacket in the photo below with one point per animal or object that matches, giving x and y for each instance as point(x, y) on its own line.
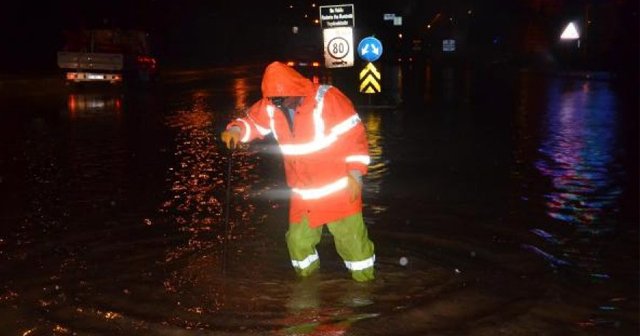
point(326, 142)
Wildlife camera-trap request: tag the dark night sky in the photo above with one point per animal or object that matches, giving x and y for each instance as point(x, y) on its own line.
point(199, 32)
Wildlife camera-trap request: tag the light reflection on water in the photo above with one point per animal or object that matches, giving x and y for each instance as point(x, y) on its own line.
point(83, 105)
point(198, 199)
point(241, 92)
point(579, 154)
point(378, 168)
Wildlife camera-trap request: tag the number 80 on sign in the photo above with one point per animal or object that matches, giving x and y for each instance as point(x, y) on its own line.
point(338, 50)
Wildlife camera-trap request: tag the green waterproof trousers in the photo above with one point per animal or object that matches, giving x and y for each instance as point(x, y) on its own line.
point(351, 241)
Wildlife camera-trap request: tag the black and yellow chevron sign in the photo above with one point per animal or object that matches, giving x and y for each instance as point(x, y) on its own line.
point(370, 79)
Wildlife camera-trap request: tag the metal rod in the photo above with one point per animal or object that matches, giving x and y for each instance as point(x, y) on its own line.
point(226, 211)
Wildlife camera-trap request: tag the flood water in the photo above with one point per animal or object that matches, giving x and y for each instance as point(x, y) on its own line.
point(500, 203)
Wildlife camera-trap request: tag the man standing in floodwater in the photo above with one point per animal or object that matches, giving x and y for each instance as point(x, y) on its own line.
point(326, 153)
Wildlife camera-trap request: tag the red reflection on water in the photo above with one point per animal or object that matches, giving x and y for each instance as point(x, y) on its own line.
point(241, 91)
point(71, 104)
point(88, 105)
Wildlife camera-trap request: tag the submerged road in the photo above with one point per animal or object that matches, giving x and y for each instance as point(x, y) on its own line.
point(500, 202)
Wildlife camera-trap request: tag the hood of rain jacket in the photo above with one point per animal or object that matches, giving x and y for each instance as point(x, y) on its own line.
point(280, 80)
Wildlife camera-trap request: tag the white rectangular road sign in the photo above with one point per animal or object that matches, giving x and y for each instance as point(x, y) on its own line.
point(338, 47)
point(334, 16)
point(448, 45)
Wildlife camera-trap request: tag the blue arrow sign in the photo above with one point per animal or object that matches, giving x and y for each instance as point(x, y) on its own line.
point(370, 49)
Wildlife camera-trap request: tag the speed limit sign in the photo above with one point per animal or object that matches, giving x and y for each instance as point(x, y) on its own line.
point(338, 47)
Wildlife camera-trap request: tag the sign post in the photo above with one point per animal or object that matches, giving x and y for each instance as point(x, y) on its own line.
point(337, 23)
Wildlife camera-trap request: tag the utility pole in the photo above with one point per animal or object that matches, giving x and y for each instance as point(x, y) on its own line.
point(585, 34)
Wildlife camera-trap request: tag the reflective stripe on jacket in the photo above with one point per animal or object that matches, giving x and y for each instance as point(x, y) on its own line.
point(326, 142)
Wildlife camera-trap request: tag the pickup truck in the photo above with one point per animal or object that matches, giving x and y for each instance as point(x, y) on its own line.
point(106, 55)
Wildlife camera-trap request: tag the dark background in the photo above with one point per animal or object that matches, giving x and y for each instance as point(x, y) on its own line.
point(197, 33)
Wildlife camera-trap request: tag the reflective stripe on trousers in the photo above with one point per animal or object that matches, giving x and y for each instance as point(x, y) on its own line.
point(306, 262)
point(360, 265)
